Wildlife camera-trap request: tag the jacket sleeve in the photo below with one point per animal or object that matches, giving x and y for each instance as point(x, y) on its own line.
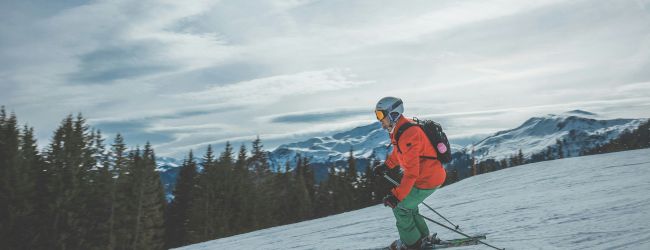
point(411, 145)
point(391, 159)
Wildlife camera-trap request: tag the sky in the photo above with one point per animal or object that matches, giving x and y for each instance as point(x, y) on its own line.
point(187, 74)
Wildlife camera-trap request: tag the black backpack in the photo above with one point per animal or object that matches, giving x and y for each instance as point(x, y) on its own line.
point(437, 138)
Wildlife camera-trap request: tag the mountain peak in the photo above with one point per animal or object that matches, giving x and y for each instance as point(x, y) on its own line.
point(580, 113)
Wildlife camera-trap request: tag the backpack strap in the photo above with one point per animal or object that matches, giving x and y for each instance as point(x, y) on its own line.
point(399, 133)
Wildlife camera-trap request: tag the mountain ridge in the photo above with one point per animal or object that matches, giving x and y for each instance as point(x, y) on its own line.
point(579, 130)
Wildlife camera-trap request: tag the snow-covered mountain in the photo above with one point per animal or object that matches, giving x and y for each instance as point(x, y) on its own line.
point(578, 130)
point(364, 141)
point(591, 202)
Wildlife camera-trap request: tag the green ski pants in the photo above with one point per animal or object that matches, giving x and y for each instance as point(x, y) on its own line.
point(410, 225)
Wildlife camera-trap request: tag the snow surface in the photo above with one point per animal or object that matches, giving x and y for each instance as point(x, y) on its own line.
point(591, 202)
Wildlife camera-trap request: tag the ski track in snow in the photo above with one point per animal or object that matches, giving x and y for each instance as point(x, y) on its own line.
point(592, 202)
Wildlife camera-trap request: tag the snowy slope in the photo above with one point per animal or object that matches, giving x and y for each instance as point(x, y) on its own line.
point(592, 202)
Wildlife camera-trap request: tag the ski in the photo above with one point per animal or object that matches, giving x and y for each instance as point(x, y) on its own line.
point(460, 242)
point(457, 242)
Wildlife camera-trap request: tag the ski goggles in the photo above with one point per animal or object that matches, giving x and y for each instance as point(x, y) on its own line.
point(381, 114)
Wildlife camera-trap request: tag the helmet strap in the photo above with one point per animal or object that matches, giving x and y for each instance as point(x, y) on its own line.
point(394, 116)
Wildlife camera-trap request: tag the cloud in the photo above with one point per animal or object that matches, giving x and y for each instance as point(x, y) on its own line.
point(161, 128)
point(136, 131)
point(319, 116)
point(273, 89)
point(220, 74)
point(114, 63)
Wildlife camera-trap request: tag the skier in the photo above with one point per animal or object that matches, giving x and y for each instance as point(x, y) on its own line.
point(422, 174)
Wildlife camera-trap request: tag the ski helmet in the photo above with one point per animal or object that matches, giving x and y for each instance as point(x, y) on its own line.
point(391, 107)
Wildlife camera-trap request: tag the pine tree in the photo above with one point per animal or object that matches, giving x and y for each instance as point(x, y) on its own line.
point(365, 185)
point(243, 217)
point(474, 167)
point(126, 193)
point(178, 213)
point(302, 197)
point(503, 163)
point(68, 164)
point(285, 207)
point(549, 153)
point(19, 161)
point(351, 173)
point(202, 210)
point(296, 201)
point(119, 209)
point(27, 184)
point(324, 200)
point(304, 169)
point(375, 184)
point(225, 189)
point(149, 227)
point(6, 150)
point(259, 159)
point(98, 196)
point(219, 185)
point(342, 191)
point(352, 182)
point(263, 195)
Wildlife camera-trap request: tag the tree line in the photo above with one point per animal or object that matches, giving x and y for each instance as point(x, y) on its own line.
point(628, 140)
point(80, 193)
point(77, 193)
point(234, 194)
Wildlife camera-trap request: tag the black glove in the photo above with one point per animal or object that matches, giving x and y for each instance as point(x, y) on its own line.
point(390, 201)
point(380, 170)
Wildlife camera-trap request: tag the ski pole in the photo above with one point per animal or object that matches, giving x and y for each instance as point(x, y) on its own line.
point(457, 227)
point(459, 232)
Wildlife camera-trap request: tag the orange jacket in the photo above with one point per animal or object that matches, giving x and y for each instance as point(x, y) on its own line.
point(421, 172)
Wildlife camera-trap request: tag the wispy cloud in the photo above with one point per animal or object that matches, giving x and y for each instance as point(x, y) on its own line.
point(319, 116)
point(109, 64)
point(136, 132)
point(273, 89)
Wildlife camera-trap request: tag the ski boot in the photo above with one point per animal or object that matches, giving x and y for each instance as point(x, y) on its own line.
point(399, 245)
point(428, 241)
